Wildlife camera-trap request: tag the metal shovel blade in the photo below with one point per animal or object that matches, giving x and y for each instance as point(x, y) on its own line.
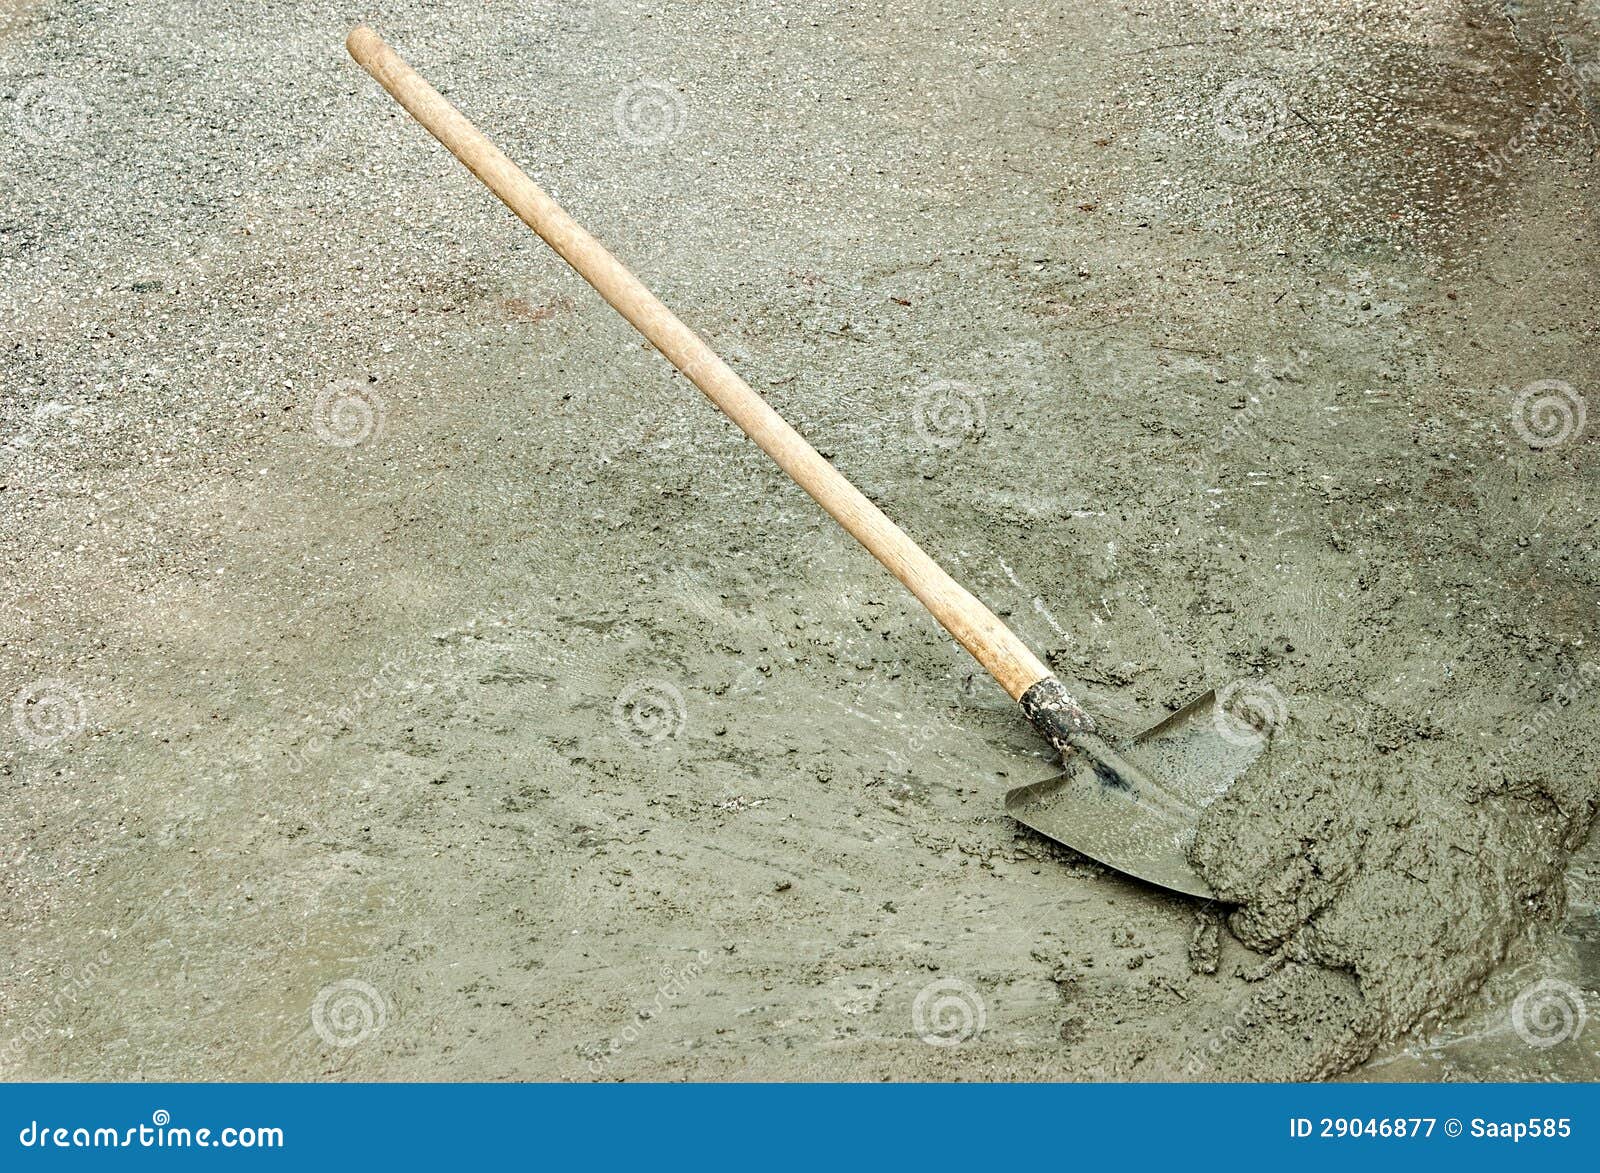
point(1134, 807)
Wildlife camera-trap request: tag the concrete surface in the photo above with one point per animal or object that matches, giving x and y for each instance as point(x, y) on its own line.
point(410, 677)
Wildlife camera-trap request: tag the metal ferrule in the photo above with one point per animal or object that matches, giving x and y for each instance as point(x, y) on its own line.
point(1055, 714)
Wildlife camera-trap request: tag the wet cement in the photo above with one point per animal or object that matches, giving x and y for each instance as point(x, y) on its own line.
point(547, 712)
point(1418, 817)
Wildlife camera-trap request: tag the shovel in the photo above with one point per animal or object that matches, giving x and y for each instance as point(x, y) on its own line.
point(1133, 805)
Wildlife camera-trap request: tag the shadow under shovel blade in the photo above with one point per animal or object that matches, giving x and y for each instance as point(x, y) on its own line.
point(1135, 807)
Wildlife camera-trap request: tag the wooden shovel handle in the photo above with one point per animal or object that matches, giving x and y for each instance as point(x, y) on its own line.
point(974, 626)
